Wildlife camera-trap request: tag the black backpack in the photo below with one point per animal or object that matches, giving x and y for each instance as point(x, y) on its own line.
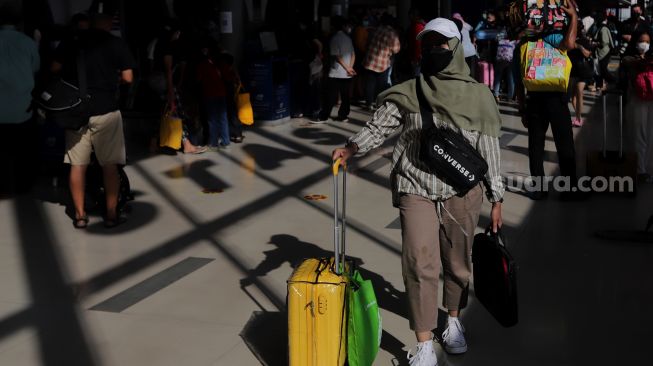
point(64, 103)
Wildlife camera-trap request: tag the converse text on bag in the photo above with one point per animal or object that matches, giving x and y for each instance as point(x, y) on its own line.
point(455, 164)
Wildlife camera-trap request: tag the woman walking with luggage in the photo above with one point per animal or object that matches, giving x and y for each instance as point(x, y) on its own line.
point(423, 198)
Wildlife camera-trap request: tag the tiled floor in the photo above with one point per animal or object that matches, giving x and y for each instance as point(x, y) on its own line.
point(583, 301)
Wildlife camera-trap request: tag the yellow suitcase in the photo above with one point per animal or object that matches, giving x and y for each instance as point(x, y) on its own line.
point(317, 294)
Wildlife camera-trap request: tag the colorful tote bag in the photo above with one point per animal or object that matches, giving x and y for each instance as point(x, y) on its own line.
point(544, 67)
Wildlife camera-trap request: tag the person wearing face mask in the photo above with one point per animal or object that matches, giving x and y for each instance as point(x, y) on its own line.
point(550, 108)
point(343, 58)
point(639, 71)
point(437, 223)
point(636, 24)
point(487, 31)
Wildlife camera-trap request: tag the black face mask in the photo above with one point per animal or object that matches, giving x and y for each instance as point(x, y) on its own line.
point(435, 60)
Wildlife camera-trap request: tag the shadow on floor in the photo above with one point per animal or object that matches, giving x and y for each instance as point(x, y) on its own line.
point(320, 137)
point(266, 336)
point(145, 213)
point(269, 158)
point(198, 172)
point(60, 333)
point(629, 237)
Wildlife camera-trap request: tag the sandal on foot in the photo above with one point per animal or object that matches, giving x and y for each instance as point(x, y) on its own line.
point(198, 150)
point(81, 223)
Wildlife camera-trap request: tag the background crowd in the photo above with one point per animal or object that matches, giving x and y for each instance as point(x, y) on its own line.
point(185, 71)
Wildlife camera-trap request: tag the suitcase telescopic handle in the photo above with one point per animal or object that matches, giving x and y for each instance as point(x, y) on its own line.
point(339, 223)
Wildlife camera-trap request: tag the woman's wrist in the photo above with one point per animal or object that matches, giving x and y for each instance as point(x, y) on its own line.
point(352, 146)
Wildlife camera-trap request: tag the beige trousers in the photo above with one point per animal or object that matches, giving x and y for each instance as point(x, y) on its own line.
point(431, 238)
point(104, 135)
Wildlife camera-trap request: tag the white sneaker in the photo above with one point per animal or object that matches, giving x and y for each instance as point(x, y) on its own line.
point(318, 121)
point(453, 337)
point(424, 356)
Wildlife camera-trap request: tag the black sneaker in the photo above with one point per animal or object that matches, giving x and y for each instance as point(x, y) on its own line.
point(341, 119)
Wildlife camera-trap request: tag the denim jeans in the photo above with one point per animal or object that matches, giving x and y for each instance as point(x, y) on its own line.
point(216, 113)
point(235, 127)
point(501, 69)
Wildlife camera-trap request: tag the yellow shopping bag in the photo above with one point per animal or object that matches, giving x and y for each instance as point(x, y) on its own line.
point(544, 67)
point(171, 131)
point(244, 107)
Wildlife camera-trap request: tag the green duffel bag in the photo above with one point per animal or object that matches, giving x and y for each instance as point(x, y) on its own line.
point(364, 325)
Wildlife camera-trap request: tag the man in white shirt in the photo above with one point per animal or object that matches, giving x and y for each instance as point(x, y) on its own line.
point(588, 22)
point(341, 71)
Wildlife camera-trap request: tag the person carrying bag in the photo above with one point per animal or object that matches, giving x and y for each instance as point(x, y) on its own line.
point(65, 104)
point(364, 326)
point(438, 213)
point(171, 130)
point(545, 75)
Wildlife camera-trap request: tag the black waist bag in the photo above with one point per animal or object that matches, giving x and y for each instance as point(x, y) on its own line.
point(447, 153)
point(65, 104)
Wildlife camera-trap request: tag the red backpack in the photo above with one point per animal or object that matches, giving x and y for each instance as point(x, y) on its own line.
point(644, 83)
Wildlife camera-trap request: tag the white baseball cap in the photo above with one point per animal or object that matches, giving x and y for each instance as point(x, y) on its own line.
point(443, 26)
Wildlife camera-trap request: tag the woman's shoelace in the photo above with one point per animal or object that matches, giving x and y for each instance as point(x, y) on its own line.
point(446, 332)
point(417, 355)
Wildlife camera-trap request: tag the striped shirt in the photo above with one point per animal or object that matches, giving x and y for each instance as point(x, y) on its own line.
point(384, 44)
point(406, 177)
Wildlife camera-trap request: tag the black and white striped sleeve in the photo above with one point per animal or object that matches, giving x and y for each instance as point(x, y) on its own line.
point(385, 121)
point(490, 149)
